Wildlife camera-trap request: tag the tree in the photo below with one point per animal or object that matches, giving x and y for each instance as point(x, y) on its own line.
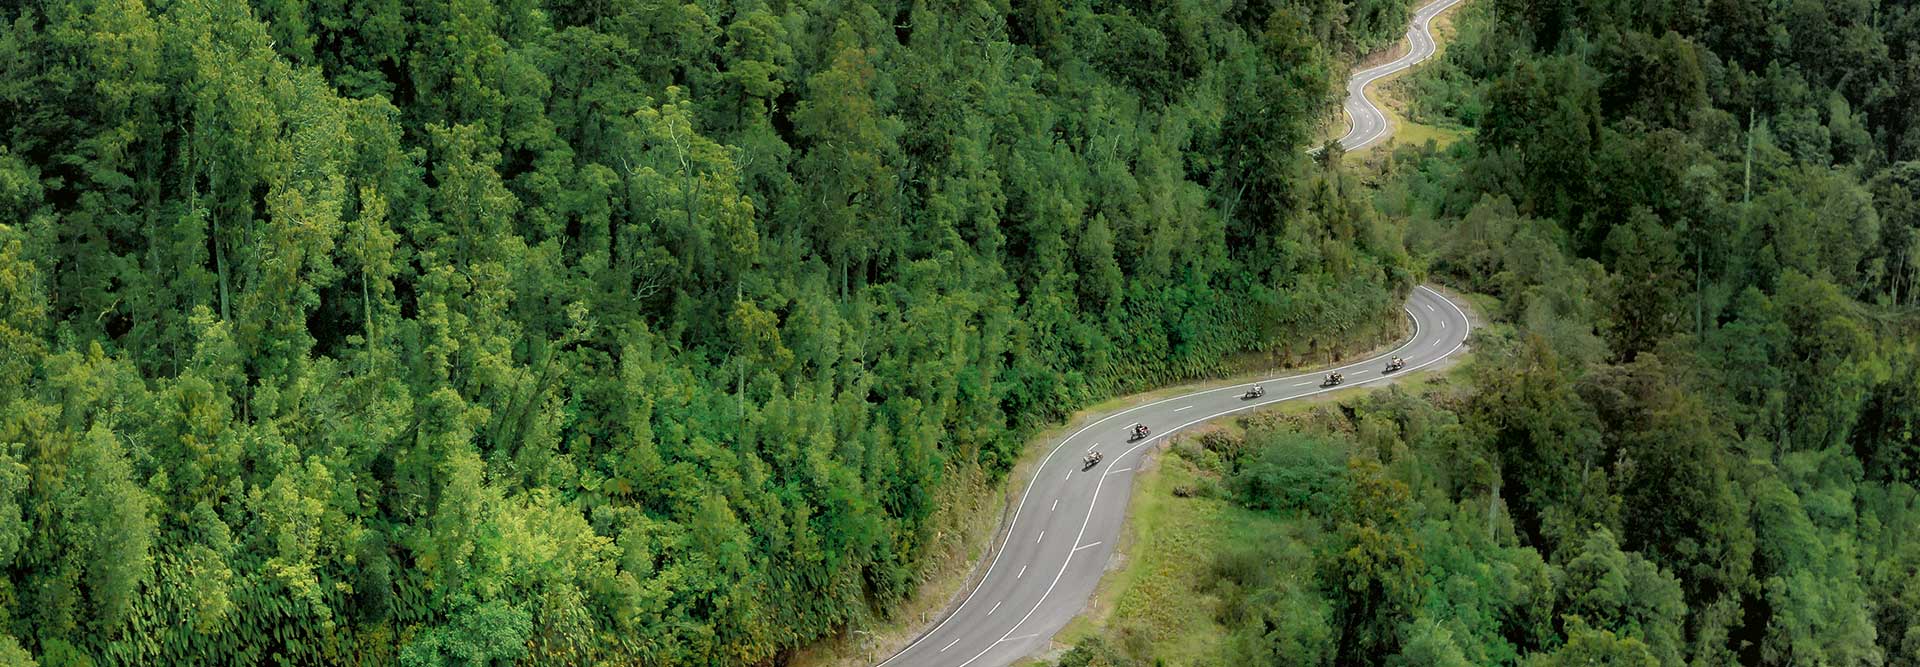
point(1432, 644)
point(23, 302)
point(690, 187)
point(1594, 646)
point(483, 635)
point(1377, 567)
point(1648, 287)
point(1622, 592)
point(849, 144)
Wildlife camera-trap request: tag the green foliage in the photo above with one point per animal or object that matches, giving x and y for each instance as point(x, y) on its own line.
point(1292, 471)
point(1587, 645)
point(494, 633)
point(1692, 439)
point(1603, 585)
point(11, 655)
point(475, 332)
point(1701, 244)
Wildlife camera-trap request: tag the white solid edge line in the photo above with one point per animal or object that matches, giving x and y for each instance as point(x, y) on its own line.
point(1421, 46)
point(1149, 439)
point(1035, 482)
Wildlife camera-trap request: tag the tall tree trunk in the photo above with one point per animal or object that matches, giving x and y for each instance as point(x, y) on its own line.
point(1493, 508)
point(219, 246)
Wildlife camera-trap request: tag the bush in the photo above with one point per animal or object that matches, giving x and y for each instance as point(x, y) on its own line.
point(1291, 471)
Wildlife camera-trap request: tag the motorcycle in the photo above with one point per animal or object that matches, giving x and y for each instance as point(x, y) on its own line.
point(1396, 364)
point(1139, 431)
point(1333, 379)
point(1255, 392)
point(1092, 459)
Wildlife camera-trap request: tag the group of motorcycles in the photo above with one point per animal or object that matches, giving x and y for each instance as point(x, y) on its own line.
point(1139, 431)
point(1336, 377)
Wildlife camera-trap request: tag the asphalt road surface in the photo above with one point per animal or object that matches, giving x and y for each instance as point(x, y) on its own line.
point(1064, 529)
point(1369, 125)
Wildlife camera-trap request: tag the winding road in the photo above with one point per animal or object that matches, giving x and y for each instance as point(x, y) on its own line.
point(1368, 125)
point(1063, 532)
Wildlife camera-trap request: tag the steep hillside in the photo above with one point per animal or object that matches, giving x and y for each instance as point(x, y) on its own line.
point(476, 332)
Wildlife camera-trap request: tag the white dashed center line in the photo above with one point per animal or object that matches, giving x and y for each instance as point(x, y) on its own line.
point(996, 607)
point(1182, 408)
point(1056, 505)
point(1023, 572)
point(949, 645)
point(1043, 535)
point(1304, 384)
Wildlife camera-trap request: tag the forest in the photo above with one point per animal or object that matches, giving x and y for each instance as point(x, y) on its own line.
point(1691, 433)
point(485, 332)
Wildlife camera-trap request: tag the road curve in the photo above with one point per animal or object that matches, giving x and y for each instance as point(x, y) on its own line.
point(1063, 530)
point(1367, 124)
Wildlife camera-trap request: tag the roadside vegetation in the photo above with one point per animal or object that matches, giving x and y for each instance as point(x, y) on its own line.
point(1692, 438)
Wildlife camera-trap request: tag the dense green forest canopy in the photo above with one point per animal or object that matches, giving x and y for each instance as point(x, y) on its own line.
point(476, 332)
point(1692, 436)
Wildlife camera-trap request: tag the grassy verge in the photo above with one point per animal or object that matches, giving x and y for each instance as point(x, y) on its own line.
point(1161, 597)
